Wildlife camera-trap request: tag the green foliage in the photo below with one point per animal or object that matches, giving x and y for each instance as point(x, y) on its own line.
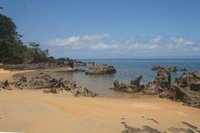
point(12, 50)
point(37, 53)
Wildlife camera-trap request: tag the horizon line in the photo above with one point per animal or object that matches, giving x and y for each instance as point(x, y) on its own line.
point(139, 59)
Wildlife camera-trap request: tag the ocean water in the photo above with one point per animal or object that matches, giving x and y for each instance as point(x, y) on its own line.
point(127, 70)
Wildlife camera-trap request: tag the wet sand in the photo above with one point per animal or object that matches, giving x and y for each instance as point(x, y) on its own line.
point(34, 111)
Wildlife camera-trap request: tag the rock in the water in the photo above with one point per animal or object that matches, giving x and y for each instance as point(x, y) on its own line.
point(101, 69)
point(162, 82)
point(156, 68)
point(136, 81)
point(5, 85)
point(134, 85)
point(172, 69)
point(183, 69)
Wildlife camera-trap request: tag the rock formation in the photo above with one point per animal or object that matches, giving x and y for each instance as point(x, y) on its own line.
point(101, 69)
point(187, 89)
point(134, 85)
point(52, 85)
point(82, 91)
point(161, 83)
point(5, 85)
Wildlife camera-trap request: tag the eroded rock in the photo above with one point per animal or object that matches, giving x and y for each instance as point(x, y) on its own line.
point(52, 85)
point(136, 81)
point(162, 82)
point(82, 91)
point(144, 129)
point(5, 84)
point(187, 89)
point(101, 69)
point(134, 85)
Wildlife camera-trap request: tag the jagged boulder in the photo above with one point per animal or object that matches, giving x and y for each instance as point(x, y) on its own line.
point(123, 87)
point(101, 69)
point(136, 81)
point(172, 69)
point(5, 85)
point(134, 85)
point(187, 89)
point(156, 68)
point(183, 69)
point(144, 129)
point(82, 91)
point(52, 85)
point(52, 90)
point(22, 83)
point(167, 94)
point(67, 85)
point(162, 82)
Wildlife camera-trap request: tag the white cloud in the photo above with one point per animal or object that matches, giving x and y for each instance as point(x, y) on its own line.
point(134, 44)
point(64, 42)
point(101, 46)
point(181, 44)
point(95, 37)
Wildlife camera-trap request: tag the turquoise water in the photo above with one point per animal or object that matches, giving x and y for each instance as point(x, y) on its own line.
point(126, 70)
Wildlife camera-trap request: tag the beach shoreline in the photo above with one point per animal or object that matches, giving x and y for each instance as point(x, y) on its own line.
point(34, 111)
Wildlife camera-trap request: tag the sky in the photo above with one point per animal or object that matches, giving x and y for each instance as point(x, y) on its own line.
point(109, 29)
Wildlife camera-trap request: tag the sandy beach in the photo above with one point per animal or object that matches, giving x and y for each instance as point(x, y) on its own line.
point(35, 111)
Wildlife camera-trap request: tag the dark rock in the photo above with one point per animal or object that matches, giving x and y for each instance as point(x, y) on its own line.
point(51, 90)
point(188, 97)
point(136, 81)
point(162, 82)
point(186, 88)
point(5, 85)
point(81, 91)
point(124, 87)
point(52, 85)
point(151, 119)
point(180, 130)
point(23, 79)
point(189, 125)
point(172, 69)
point(167, 94)
point(22, 83)
point(152, 88)
point(134, 86)
point(101, 69)
point(156, 68)
point(144, 129)
point(194, 85)
point(184, 69)
point(117, 85)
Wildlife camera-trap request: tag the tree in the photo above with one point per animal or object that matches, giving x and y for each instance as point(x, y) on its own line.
point(8, 29)
point(12, 49)
point(38, 53)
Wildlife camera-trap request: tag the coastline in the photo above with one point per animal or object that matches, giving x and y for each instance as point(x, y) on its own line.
point(34, 111)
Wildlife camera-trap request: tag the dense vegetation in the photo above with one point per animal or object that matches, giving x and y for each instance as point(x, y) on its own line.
point(12, 49)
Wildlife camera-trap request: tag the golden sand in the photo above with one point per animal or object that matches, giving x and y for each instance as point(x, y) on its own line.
point(34, 111)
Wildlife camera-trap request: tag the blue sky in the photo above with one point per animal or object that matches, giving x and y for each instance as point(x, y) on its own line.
point(109, 28)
